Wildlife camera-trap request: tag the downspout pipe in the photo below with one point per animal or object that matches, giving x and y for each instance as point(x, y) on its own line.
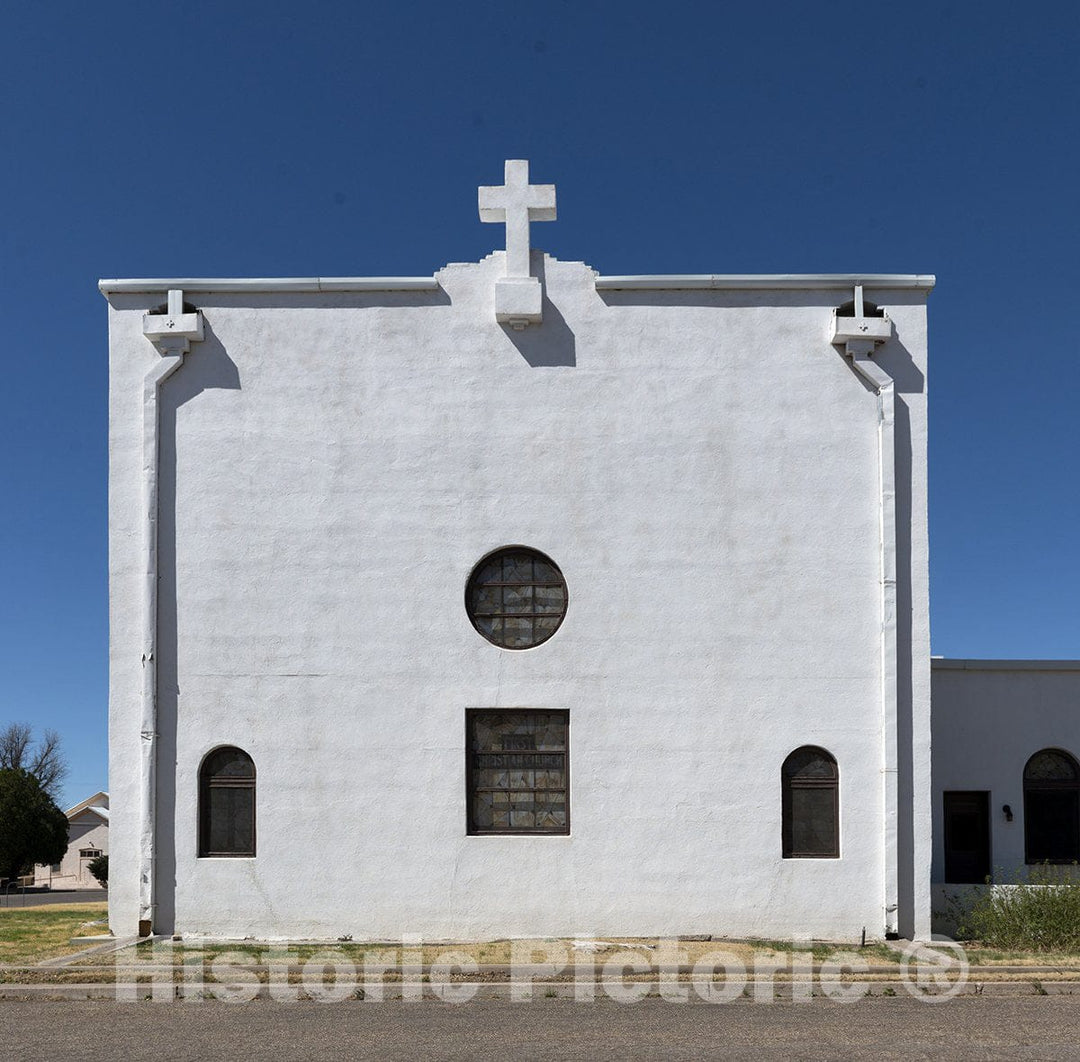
point(860, 336)
point(171, 334)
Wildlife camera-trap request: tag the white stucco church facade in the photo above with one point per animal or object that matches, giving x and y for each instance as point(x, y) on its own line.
point(519, 600)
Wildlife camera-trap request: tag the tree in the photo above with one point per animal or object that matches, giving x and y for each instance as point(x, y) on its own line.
point(44, 761)
point(32, 828)
point(99, 867)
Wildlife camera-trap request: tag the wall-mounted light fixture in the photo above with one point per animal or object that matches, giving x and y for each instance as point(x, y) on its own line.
point(1008, 812)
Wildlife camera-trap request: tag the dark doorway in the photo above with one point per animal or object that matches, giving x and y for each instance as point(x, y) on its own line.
point(967, 838)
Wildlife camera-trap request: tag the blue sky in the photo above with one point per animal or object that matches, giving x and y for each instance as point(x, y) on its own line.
point(244, 139)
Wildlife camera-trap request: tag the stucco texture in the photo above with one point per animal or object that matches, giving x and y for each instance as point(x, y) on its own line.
point(702, 466)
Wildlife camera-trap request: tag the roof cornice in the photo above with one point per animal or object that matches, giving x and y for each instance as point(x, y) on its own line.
point(939, 663)
point(665, 282)
point(765, 281)
point(89, 802)
point(243, 285)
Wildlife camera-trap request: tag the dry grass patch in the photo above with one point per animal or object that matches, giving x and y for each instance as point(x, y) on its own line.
point(500, 952)
point(980, 956)
point(33, 934)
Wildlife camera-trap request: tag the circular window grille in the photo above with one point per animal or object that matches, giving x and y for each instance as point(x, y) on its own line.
point(516, 597)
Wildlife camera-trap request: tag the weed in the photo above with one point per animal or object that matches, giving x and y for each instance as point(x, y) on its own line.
point(820, 952)
point(1040, 913)
point(878, 951)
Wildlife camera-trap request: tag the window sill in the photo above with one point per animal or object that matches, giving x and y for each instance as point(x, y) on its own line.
point(518, 833)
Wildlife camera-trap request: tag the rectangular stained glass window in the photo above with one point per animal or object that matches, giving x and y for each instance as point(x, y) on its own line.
point(517, 771)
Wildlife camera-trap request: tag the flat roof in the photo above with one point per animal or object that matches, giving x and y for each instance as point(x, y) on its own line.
point(669, 282)
point(942, 663)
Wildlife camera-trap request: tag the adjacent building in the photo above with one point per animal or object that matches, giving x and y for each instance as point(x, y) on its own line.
point(1005, 768)
point(88, 838)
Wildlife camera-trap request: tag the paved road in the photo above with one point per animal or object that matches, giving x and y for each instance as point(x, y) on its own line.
point(1035, 1027)
point(35, 899)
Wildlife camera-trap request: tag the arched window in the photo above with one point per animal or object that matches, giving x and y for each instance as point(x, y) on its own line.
point(1051, 808)
point(227, 804)
point(811, 805)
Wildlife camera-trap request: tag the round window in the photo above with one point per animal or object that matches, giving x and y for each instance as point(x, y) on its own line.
point(516, 597)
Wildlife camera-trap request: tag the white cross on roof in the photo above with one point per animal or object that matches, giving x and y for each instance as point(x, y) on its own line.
point(517, 203)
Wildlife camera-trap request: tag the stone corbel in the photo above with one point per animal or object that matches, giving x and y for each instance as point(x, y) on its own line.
point(174, 331)
point(860, 335)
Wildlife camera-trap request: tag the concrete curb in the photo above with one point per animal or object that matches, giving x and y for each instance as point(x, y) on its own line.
point(452, 992)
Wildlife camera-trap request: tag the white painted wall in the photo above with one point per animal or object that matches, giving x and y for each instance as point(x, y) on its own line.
point(990, 717)
point(703, 467)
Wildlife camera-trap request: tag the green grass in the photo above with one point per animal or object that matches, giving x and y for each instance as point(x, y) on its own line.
point(32, 934)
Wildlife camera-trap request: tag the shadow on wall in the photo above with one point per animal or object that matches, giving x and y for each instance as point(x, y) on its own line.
point(951, 907)
point(897, 361)
point(206, 367)
point(550, 343)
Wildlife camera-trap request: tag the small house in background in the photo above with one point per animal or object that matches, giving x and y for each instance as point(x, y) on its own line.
point(88, 838)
